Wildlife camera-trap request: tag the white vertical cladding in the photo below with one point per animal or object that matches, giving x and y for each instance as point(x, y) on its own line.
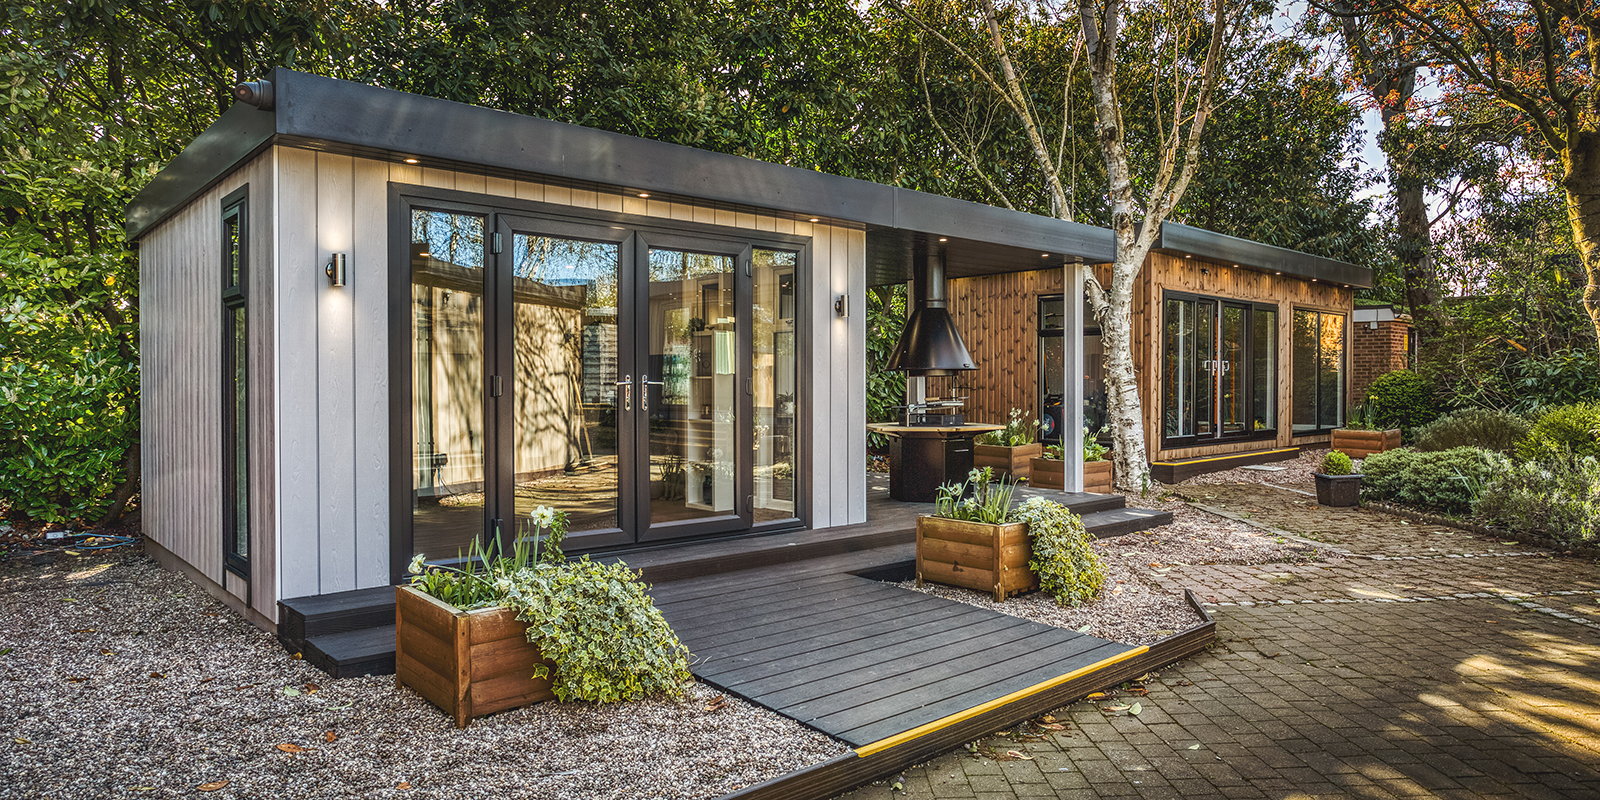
point(1072, 365)
point(297, 281)
point(823, 429)
point(855, 435)
point(335, 363)
point(369, 293)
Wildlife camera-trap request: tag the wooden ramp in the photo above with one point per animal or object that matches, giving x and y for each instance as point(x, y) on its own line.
point(872, 664)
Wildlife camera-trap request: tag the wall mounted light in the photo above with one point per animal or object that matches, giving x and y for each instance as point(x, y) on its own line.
point(841, 305)
point(335, 269)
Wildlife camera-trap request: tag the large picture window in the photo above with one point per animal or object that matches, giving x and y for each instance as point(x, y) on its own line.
point(235, 384)
point(1219, 369)
point(1318, 371)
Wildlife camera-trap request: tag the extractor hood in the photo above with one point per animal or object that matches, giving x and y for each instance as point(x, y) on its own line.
point(930, 345)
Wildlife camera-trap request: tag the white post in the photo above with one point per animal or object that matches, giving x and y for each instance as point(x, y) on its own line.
point(1072, 367)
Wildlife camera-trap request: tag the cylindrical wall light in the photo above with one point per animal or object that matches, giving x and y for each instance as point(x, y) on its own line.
point(335, 269)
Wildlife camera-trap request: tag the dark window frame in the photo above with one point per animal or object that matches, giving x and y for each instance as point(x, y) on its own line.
point(236, 215)
point(1247, 356)
point(1344, 371)
point(403, 197)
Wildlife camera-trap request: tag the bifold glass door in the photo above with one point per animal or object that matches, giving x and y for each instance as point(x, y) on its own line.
point(644, 383)
point(1218, 369)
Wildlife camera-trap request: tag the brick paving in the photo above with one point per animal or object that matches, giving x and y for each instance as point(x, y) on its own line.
point(1424, 662)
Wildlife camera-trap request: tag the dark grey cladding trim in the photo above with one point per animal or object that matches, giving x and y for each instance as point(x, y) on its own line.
point(1255, 255)
point(332, 114)
point(239, 134)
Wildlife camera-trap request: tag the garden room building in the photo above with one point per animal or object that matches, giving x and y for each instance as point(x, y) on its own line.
point(376, 324)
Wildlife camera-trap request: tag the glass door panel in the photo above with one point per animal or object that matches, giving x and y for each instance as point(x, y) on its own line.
point(687, 389)
point(565, 380)
point(1232, 369)
point(1209, 373)
point(774, 369)
point(1264, 370)
point(449, 432)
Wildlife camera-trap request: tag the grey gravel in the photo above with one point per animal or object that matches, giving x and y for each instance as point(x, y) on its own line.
point(122, 679)
point(1132, 607)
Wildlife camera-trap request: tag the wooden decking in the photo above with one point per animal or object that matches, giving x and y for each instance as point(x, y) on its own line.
point(867, 662)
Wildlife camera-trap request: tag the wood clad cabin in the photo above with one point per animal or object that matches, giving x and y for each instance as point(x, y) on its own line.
point(376, 324)
point(1241, 347)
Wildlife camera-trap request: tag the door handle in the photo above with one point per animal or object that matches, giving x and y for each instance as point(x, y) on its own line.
point(627, 392)
point(644, 391)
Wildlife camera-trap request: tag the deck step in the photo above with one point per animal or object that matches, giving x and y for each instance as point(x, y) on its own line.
point(349, 654)
point(1120, 521)
point(302, 618)
point(1181, 469)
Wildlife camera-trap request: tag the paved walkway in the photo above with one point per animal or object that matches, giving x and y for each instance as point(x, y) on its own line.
point(1423, 662)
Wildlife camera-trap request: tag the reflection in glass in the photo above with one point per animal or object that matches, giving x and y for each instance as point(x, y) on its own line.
point(1264, 370)
point(239, 428)
point(1177, 383)
point(1232, 369)
point(565, 388)
point(775, 370)
point(447, 405)
point(1318, 391)
point(690, 358)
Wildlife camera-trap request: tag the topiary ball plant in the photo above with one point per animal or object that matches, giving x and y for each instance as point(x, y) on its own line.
point(1337, 463)
point(1401, 399)
point(1563, 432)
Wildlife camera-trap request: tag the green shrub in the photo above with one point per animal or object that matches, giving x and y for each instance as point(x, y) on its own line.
point(1401, 399)
point(1448, 480)
point(1337, 463)
point(1563, 432)
point(1560, 500)
point(1488, 428)
point(1068, 567)
point(1016, 433)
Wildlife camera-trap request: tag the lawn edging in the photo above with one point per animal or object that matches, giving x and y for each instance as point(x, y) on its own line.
point(850, 770)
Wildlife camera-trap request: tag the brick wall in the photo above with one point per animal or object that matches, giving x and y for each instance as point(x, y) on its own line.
point(1374, 352)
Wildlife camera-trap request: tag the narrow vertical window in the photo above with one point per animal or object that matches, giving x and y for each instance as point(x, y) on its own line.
point(235, 385)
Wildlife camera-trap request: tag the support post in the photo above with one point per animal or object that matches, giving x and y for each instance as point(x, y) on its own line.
point(1072, 380)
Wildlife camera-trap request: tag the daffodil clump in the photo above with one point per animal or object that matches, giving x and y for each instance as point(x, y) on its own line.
point(595, 621)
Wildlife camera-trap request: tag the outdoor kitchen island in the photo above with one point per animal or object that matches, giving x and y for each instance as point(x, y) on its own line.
point(924, 457)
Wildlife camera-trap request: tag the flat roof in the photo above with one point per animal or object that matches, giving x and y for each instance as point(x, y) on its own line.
point(341, 116)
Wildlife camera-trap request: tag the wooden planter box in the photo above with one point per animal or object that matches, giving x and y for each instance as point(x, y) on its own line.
point(1013, 461)
point(1098, 476)
point(1360, 444)
point(1047, 473)
point(469, 663)
point(975, 555)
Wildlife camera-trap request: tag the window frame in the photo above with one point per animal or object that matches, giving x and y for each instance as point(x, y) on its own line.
point(1247, 356)
point(235, 293)
point(1344, 371)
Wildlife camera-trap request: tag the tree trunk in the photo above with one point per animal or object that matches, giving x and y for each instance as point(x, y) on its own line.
point(1413, 235)
point(1124, 409)
point(1581, 180)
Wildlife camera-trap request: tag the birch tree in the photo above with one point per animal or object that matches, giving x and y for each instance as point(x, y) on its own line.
point(1185, 46)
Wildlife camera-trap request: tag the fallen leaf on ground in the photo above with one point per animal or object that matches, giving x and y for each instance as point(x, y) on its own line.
point(1094, 695)
point(312, 688)
point(402, 786)
point(212, 786)
point(330, 737)
point(1051, 726)
point(291, 691)
point(1112, 709)
point(1136, 709)
point(1194, 747)
point(1047, 718)
point(717, 703)
point(1013, 755)
point(291, 748)
point(20, 740)
point(157, 675)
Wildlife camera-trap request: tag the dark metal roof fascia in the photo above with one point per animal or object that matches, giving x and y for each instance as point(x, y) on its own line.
point(234, 138)
point(1246, 253)
point(947, 216)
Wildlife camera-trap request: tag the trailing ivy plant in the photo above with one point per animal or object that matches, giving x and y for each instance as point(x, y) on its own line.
point(595, 621)
point(1067, 566)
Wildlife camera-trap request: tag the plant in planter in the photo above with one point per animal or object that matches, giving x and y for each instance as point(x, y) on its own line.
point(975, 540)
point(1048, 471)
point(1363, 434)
point(504, 631)
point(1338, 484)
point(1009, 451)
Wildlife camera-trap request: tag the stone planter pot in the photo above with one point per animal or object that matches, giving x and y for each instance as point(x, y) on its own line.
point(1017, 462)
point(1360, 444)
point(1338, 491)
point(975, 555)
point(469, 663)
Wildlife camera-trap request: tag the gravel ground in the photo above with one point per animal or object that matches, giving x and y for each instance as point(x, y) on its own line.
point(1297, 473)
point(122, 679)
point(1130, 608)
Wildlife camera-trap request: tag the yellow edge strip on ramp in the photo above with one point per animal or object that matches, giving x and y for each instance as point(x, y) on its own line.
point(1223, 458)
point(962, 716)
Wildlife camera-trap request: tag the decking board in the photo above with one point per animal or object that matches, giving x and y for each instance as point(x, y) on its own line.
point(825, 647)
